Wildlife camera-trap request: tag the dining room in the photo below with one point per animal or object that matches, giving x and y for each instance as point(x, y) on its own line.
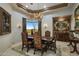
point(40, 29)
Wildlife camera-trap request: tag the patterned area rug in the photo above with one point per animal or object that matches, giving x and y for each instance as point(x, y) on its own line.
point(31, 51)
point(62, 50)
point(18, 49)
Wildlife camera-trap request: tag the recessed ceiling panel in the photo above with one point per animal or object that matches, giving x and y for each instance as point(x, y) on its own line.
point(37, 6)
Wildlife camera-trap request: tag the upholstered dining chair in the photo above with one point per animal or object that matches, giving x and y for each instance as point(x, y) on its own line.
point(38, 43)
point(25, 42)
point(52, 41)
point(71, 37)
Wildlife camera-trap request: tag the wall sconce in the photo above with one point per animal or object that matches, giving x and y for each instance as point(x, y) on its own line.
point(19, 26)
point(45, 26)
point(77, 17)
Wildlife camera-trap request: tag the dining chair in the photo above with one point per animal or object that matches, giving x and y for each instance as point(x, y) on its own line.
point(51, 41)
point(38, 43)
point(71, 37)
point(25, 42)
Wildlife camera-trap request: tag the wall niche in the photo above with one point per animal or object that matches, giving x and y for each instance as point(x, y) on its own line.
point(5, 22)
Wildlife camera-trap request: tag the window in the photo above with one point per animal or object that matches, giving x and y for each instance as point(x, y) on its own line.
point(31, 26)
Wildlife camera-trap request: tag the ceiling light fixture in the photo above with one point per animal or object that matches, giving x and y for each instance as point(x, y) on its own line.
point(38, 16)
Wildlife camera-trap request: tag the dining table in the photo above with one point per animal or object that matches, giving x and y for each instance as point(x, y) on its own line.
point(45, 40)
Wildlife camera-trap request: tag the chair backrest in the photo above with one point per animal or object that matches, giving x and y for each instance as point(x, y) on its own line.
point(37, 40)
point(24, 38)
point(47, 33)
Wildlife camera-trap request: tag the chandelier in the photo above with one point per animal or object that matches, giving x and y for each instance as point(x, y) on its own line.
point(36, 15)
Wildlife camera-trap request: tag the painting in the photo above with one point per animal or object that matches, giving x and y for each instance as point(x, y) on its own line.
point(62, 25)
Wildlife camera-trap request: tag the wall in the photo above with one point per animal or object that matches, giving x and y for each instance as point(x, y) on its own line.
point(48, 19)
point(14, 37)
point(17, 20)
point(5, 39)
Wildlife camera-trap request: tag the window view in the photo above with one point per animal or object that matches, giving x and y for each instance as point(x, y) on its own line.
point(31, 26)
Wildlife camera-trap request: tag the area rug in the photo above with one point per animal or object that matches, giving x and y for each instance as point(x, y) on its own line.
point(18, 50)
point(62, 50)
point(31, 51)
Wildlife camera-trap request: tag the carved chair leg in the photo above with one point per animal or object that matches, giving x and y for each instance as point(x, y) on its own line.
point(42, 51)
point(34, 50)
point(27, 48)
point(55, 48)
point(22, 47)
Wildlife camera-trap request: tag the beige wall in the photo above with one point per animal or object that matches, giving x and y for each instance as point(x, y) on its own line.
point(7, 40)
point(48, 19)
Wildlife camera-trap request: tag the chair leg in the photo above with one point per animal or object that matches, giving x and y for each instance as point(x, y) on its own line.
point(42, 51)
point(27, 48)
point(55, 49)
point(54, 46)
point(22, 47)
point(34, 51)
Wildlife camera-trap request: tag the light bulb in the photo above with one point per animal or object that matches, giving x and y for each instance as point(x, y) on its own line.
point(27, 6)
point(44, 6)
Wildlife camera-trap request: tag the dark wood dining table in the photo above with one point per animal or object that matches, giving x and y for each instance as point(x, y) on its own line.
point(45, 40)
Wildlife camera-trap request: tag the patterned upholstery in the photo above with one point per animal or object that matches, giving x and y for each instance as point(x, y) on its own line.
point(24, 40)
point(37, 40)
point(38, 43)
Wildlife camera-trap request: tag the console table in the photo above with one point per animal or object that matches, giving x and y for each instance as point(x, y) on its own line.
point(62, 36)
